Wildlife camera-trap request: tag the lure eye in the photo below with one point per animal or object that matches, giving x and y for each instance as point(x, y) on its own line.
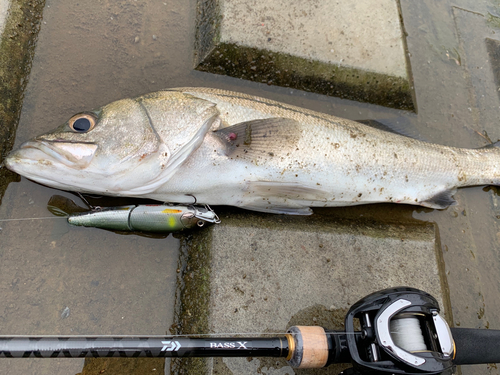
point(82, 123)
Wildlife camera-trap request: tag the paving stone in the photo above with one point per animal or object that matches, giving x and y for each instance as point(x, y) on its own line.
point(354, 50)
point(281, 271)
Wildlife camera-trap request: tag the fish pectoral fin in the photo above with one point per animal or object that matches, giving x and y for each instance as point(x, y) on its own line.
point(441, 200)
point(260, 139)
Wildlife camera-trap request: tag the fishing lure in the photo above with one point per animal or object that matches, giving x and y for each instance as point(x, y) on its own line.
point(146, 218)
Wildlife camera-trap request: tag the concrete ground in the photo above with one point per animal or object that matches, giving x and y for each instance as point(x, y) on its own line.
point(321, 31)
point(283, 271)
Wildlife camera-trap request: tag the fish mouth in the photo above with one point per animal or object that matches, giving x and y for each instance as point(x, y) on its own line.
point(72, 154)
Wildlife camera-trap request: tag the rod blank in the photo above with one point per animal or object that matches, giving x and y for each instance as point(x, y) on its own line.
point(126, 346)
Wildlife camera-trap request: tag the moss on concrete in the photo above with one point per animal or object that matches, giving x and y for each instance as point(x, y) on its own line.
point(193, 296)
point(17, 48)
point(119, 366)
point(493, 21)
point(286, 70)
point(207, 28)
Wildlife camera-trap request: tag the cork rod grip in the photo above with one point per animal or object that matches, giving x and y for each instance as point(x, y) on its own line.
point(311, 347)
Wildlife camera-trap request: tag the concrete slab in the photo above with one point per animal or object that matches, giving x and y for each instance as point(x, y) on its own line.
point(353, 50)
point(4, 10)
point(283, 271)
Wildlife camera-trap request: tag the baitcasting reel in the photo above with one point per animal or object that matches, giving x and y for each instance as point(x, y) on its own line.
point(401, 333)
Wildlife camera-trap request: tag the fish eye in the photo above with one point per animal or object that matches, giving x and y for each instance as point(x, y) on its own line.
point(82, 123)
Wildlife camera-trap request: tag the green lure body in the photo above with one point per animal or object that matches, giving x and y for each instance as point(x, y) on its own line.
point(146, 218)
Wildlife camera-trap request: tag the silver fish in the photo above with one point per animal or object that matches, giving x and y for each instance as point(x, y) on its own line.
point(227, 148)
point(145, 218)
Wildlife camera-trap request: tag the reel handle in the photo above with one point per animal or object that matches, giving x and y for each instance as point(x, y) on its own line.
point(476, 346)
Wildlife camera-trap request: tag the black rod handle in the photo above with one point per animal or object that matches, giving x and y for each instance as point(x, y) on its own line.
point(123, 346)
point(475, 346)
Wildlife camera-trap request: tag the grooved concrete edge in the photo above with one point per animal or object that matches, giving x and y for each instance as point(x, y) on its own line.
point(17, 48)
point(281, 69)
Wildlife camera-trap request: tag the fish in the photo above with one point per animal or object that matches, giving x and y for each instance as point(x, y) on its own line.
point(228, 148)
point(145, 218)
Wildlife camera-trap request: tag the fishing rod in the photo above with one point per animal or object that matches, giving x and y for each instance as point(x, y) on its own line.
point(398, 331)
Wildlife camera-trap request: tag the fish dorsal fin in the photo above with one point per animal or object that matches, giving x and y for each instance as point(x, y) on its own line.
point(400, 127)
point(260, 139)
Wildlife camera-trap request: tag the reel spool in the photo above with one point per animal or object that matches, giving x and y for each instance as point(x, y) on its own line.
point(401, 333)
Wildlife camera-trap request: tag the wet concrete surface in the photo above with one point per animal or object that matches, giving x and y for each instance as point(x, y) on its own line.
point(110, 283)
point(92, 53)
point(57, 279)
point(449, 60)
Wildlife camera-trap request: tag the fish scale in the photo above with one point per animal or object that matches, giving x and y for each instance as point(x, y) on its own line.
point(227, 148)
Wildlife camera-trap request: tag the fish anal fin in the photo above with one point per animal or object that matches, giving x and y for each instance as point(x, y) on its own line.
point(282, 197)
point(284, 210)
point(264, 138)
point(492, 145)
point(441, 200)
point(292, 191)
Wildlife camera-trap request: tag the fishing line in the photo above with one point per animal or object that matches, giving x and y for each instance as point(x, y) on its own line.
point(407, 334)
point(36, 218)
